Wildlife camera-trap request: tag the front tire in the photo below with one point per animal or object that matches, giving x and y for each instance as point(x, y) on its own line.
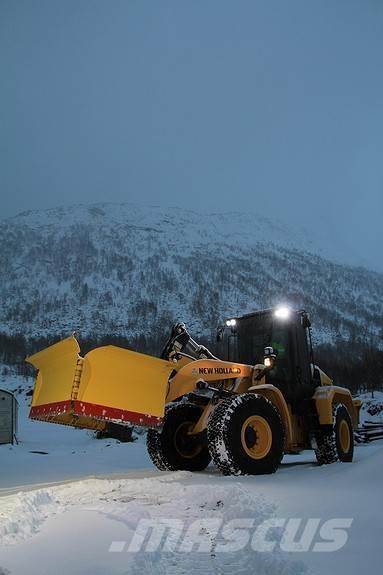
point(173, 448)
point(246, 436)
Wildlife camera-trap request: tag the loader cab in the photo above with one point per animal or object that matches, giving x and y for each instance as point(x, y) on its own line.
point(244, 339)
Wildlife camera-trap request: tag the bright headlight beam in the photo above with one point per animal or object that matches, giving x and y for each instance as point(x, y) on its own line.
point(231, 322)
point(282, 312)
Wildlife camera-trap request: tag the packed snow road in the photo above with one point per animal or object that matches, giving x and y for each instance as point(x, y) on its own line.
point(89, 526)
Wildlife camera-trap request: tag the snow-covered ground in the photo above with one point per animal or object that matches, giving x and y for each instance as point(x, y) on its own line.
point(74, 510)
point(48, 453)
point(372, 407)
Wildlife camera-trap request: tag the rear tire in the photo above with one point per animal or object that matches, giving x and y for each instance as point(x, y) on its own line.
point(344, 434)
point(245, 435)
point(172, 448)
point(336, 442)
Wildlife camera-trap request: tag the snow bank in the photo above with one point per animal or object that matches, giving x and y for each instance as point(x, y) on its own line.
point(372, 407)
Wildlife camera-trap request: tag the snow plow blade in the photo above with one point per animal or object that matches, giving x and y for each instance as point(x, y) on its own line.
point(109, 384)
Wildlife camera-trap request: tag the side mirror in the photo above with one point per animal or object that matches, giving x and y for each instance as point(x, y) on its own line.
point(269, 357)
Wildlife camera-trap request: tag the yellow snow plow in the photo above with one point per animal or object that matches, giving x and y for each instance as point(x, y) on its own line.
point(108, 384)
point(241, 413)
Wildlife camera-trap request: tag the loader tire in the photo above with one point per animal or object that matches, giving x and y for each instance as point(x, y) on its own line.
point(245, 436)
point(344, 434)
point(325, 450)
point(337, 442)
point(171, 448)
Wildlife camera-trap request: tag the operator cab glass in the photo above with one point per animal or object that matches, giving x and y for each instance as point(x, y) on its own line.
point(246, 339)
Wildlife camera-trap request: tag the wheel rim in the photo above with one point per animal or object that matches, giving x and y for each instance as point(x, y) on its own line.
point(256, 437)
point(187, 445)
point(344, 436)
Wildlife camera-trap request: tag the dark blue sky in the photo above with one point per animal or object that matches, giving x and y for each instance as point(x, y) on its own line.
point(265, 106)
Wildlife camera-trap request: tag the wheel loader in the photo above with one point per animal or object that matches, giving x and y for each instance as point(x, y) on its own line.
point(262, 398)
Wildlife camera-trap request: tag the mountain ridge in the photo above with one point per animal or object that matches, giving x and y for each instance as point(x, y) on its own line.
point(128, 269)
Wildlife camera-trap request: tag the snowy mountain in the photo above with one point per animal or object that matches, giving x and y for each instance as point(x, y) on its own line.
point(130, 270)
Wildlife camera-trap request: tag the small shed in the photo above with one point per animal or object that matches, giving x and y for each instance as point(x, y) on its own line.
point(8, 417)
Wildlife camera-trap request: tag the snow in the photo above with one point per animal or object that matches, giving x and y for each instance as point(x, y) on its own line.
point(62, 512)
point(245, 228)
point(372, 407)
point(65, 453)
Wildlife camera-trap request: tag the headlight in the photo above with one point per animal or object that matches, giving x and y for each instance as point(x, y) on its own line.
point(231, 322)
point(282, 312)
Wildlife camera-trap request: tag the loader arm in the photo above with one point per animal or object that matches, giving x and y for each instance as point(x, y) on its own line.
point(195, 364)
point(181, 344)
point(206, 371)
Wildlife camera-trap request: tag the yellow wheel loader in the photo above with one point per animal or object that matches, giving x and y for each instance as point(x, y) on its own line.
point(264, 398)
